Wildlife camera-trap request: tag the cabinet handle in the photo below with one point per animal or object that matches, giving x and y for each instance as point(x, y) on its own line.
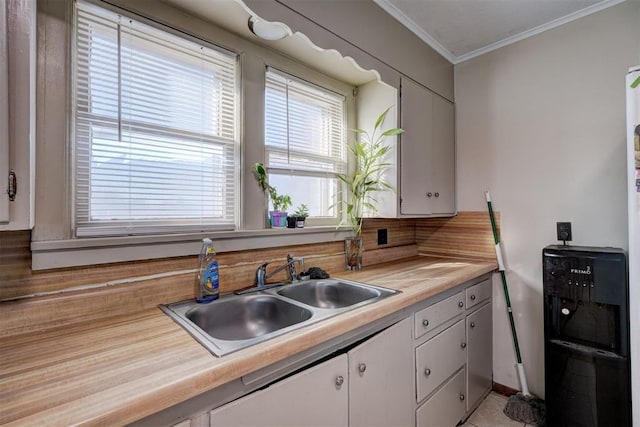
point(463, 345)
point(473, 297)
point(462, 397)
point(362, 367)
point(437, 194)
point(427, 372)
point(339, 380)
point(429, 194)
point(425, 322)
point(460, 304)
point(473, 324)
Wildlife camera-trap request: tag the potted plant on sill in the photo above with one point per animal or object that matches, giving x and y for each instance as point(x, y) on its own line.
point(278, 216)
point(296, 220)
point(369, 152)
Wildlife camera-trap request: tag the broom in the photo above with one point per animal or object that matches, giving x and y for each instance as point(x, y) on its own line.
point(523, 406)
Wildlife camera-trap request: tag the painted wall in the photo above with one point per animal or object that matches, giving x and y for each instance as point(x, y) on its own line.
point(541, 124)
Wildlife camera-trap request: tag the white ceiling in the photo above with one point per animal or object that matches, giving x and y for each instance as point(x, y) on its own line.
point(462, 29)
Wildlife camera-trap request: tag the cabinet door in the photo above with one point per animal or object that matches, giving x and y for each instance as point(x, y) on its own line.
point(315, 397)
point(427, 152)
point(4, 112)
point(479, 355)
point(446, 407)
point(438, 358)
point(381, 379)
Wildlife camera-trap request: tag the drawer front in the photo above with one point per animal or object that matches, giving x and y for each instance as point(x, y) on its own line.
point(435, 315)
point(439, 358)
point(446, 407)
point(478, 293)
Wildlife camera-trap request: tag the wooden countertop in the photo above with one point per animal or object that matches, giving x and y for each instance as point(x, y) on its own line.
point(120, 369)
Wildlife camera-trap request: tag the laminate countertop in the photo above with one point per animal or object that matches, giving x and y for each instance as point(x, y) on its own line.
point(120, 369)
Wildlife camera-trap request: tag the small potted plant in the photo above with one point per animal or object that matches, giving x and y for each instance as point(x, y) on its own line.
point(278, 216)
point(301, 213)
point(369, 154)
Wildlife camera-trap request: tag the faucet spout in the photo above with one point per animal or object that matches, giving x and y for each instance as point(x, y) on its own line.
point(262, 276)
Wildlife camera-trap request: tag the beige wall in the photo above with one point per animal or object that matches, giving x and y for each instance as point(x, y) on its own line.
point(541, 124)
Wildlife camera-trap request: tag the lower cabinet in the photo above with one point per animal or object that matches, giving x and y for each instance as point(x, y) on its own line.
point(479, 354)
point(317, 396)
point(446, 407)
point(368, 386)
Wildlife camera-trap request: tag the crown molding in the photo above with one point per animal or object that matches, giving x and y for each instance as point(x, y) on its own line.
point(393, 10)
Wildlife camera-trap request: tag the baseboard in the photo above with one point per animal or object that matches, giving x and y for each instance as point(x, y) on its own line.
point(504, 390)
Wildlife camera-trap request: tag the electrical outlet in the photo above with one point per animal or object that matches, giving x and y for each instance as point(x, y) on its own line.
point(382, 236)
point(564, 231)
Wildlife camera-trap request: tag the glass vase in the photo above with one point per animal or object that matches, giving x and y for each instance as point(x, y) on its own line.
point(353, 249)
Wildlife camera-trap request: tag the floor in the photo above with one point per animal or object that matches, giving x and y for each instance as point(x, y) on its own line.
point(489, 414)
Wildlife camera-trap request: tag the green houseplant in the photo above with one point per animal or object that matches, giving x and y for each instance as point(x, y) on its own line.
point(280, 202)
point(369, 152)
point(296, 220)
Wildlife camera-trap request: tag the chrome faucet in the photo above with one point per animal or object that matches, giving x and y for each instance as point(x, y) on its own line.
point(262, 276)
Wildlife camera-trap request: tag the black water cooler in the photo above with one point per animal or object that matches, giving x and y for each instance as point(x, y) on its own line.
point(586, 327)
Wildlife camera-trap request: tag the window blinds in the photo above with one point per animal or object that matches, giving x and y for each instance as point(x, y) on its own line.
point(155, 144)
point(304, 127)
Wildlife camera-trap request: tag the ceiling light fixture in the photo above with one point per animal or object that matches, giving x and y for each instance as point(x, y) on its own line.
point(268, 30)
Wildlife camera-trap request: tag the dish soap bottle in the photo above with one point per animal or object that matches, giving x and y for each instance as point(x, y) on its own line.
point(208, 277)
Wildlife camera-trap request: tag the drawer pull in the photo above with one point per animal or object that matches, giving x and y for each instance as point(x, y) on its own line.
point(429, 194)
point(339, 380)
point(460, 304)
point(473, 297)
point(427, 372)
point(425, 323)
point(463, 345)
point(362, 367)
point(462, 397)
point(473, 324)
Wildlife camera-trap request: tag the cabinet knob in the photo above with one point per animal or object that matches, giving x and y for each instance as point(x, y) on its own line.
point(339, 380)
point(437, 194)
point(460, 304)
point(462, 397)
point(473, 324)
point(463, 345)
point(429, 194)
point(425, 323)
point(362, 367)
point(473, 297)
point(427, 372)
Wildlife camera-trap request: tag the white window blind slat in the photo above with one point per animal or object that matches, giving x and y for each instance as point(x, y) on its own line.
point(155, 139)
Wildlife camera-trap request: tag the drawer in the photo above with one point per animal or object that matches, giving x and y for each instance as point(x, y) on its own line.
point(446, 407)
point(439, 358)
point(436, 314)
point(477, 293)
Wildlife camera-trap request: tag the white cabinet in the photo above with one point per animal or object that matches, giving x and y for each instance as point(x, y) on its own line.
point(427, 152)
point(317, 396)
point(381, 378)
point(371, 385)
point(17, 111)
point(446, 407)
point(479, 355)
point(453, 339)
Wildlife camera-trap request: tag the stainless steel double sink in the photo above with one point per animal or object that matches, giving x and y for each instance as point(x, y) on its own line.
point(238, 321)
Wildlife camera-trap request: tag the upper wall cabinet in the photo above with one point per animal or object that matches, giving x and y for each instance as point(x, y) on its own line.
point(17, 112)
point(427, 152)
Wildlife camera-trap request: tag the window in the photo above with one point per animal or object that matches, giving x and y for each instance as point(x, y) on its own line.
point(155, 138)
point(305, 143)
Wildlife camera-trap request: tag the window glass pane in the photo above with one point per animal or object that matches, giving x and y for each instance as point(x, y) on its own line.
point(155, 129)
point(318, 193)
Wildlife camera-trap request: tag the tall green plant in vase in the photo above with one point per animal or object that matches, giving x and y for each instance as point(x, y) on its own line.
point(369, 153)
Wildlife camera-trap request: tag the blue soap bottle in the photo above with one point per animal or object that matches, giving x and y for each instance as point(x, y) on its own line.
point(208, 278)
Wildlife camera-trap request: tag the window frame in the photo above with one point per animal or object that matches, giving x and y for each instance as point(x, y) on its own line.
point(53, 244)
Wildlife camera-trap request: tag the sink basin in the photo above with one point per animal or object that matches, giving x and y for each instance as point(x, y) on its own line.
point(329, 293)
point(235, 322)
point(246, 317)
